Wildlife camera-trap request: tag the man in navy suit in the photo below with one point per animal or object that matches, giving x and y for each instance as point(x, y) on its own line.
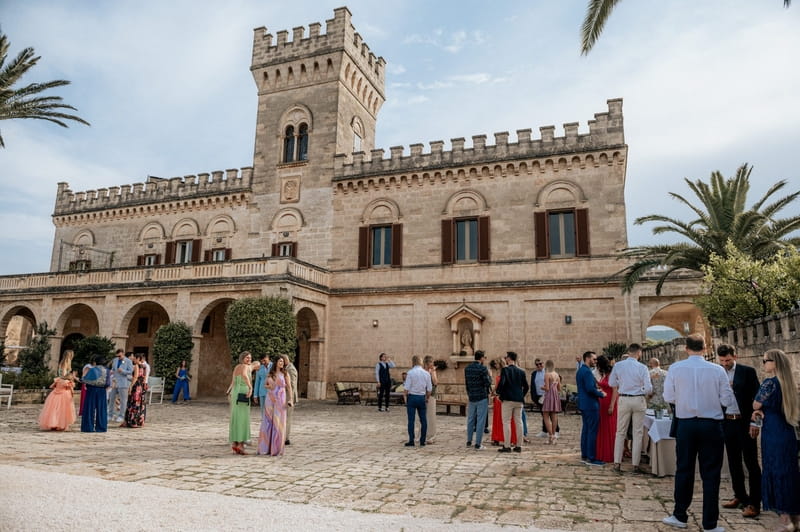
point(589, 402)
point(736, 426)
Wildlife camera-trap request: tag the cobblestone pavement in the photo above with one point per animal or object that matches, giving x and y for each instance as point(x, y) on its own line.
point(352, 457)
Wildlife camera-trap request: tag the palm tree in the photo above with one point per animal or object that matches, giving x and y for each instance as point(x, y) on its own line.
point(597, 13)
point(26, 102)
point(721, 217)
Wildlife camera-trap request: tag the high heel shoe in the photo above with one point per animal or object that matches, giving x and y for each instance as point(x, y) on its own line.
point(235, 448)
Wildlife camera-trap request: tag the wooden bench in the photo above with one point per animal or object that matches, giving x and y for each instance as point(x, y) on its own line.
point(450, 404)
point(347, 394)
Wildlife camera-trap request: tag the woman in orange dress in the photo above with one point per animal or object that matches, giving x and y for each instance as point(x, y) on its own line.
point(607, 430)
point(59, 409)
point(497, 366)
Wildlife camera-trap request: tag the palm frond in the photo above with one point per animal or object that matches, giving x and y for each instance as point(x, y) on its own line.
point(597, 12)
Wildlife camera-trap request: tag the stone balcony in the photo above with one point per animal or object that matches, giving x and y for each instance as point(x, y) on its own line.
point(177, 274)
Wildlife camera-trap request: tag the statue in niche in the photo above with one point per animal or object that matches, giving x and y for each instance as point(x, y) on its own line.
point(465, 339)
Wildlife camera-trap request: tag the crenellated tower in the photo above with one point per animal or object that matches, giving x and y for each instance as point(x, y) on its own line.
point(318, 95)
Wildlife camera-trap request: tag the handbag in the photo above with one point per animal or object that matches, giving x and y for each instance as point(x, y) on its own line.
point(242, 398)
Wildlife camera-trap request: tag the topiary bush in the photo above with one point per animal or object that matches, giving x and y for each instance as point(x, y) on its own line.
point(87, 348)
point(171, 344)
point(34, 358)
point(262, 326)
point(615, 350)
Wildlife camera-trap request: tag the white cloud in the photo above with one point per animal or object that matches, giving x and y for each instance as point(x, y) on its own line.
point(452, 42)
point(395, 69)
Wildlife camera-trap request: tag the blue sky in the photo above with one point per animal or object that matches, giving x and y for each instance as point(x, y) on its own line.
point(167, 87)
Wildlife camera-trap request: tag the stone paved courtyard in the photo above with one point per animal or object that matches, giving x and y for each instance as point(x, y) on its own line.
point(352, 457)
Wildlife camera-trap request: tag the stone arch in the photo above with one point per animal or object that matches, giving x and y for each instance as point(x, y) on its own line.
point(382, 210)
point(186, 228)
point(84, 239)
point(560, 191)
point(139, 325)
point(466, 202)
point(211, 357)
point(287, 219)
point(682, 316)
point(220, 225)
point(17, 327)
point(152, 230)
point(79, 318)
point(296, 114)
point(309, 360)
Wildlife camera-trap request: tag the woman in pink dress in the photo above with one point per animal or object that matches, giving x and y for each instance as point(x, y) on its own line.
point(551, 405)
point(59, 409)
point(272, 435)
point(607, 430)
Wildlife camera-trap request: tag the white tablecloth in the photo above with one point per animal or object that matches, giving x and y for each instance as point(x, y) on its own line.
point(658, 429)
point(661, 448)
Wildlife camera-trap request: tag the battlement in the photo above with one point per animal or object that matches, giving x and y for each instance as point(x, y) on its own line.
point(339, 35)
point(154, 190)
point(605, 131)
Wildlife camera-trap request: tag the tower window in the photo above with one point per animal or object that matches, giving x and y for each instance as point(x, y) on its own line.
point(288, 145)
point(302, 143)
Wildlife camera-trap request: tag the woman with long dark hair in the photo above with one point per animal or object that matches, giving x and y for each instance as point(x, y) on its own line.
point(272, 435)
point(607, 429)
point(777, 407)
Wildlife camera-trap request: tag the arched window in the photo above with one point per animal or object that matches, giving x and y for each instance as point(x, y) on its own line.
point(288, 145)
point(302, 143)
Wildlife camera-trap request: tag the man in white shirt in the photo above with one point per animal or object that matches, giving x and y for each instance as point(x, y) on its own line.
point(630, 381)
point(699, 390)
point(418, 387)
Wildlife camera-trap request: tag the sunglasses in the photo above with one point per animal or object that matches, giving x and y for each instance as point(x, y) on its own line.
point(765, 360)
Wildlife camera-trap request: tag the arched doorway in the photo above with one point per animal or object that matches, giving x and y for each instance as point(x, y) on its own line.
point(68, 343)
point(213, 367)
point(140, 324)
point(307, 358)
point(684, 317)
point(18, 326)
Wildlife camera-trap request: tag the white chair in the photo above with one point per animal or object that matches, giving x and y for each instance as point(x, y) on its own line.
point(156, 385)
point(6, 390)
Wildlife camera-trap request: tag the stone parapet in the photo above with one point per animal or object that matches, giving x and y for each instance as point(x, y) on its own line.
point(230, 271)
point(605, 133)
point(269, 50)
point(154, 190)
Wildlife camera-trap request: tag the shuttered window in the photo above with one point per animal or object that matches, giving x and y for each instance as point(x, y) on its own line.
point(561, 233)
point(380, 246)
point(465, 240)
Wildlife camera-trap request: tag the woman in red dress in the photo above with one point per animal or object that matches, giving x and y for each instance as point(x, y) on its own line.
point(607, 430)
point(497, 366)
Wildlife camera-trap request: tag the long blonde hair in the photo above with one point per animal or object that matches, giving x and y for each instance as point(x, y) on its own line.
point(783, 371)
point(65, 366)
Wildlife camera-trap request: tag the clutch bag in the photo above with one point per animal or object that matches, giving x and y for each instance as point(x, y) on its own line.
point(242, 398)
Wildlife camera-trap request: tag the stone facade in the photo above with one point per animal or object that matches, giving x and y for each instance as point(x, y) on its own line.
point(515, 240)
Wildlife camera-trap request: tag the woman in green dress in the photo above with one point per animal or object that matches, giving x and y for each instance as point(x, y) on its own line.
point(239, 430)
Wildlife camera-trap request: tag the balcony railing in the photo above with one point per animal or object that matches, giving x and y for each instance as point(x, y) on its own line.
point(170, 273)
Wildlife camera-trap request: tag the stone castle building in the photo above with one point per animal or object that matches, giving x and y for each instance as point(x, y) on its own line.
point(501, 245)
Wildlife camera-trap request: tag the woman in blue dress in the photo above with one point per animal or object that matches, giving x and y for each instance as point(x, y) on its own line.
point(95, 416)
point(182, 377)
point(780, 415)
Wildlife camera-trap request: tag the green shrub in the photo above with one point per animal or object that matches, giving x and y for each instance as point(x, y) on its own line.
point(34, 358)
point(88, 348)
point(28, 381)
point(172, 343)
point(262, 326)
point(615, 350)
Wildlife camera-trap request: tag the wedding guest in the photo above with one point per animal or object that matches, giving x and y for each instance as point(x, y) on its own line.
point(86, 368)
point(430, 410)
point(259, 390)
point(293, 397)
point(121, 371)
point(551, 405)
point(417, 391)
point(272, 434)
point(95, 415)
point(182, 378)
point(136, 411)
point(607, 431)
point(59, 409)
point(512, 389)
point(777, 406)
point(657, 375)
point(631, 383)
point(383, 380)
point(496, 365)
point(588, 402)
point(478, 384)
point(240, 390)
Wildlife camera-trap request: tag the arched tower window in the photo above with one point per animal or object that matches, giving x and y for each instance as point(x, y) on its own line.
point(288, 145)
point(302, 143)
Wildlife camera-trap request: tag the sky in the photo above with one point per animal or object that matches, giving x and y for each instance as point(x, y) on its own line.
point(167, 88)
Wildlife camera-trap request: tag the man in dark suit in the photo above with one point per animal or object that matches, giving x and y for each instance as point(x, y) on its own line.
point(589, 403)
point(740, 446)
point(512, 389)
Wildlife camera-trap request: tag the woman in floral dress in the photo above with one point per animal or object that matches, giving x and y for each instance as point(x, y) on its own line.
point(137, 406)
point(272, 435)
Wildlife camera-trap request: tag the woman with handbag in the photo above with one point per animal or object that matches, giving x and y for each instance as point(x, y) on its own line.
point(272, 435)
point(240, 391)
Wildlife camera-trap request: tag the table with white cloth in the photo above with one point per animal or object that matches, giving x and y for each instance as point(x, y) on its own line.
point(662, 448)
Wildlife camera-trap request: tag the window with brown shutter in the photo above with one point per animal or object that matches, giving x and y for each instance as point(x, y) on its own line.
point(140, 260)
point(228, 253)
point(483, 239)
point(196, 245)
point(540, 235)
point(582, 232)
point(447, 241)
point(169, 253)
point(397, 245)
point(274, 251)
point(363, 248)
point(207, 255)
